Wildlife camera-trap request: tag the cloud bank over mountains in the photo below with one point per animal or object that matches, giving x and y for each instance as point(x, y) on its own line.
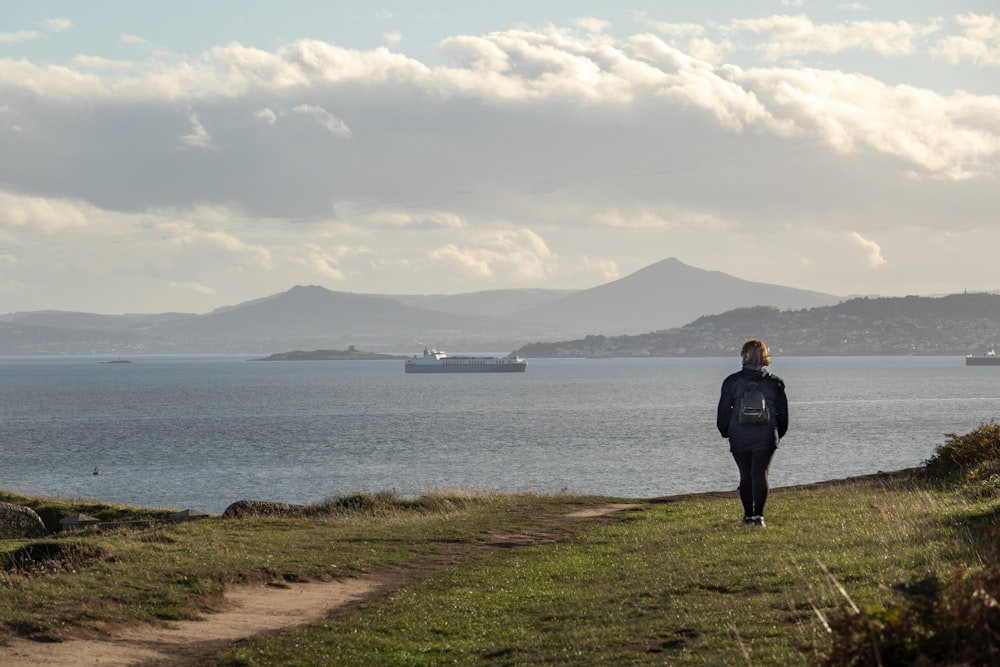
point(561, 156)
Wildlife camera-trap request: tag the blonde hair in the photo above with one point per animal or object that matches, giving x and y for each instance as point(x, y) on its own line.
point(755, 353)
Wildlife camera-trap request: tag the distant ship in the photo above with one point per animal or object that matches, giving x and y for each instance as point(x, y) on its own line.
point(988, 359)
point(435, 361)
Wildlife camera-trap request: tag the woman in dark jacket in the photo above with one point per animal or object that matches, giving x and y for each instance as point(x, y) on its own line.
point(753, 444)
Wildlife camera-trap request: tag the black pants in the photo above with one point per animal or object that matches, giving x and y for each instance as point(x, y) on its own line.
point(753, 467)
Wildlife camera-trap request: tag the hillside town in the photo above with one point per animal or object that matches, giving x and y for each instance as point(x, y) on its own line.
point(954, 325)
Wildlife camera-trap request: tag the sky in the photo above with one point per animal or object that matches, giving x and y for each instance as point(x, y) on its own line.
point(191, 155)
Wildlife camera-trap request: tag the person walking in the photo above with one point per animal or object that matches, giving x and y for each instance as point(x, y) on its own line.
point(753, 430)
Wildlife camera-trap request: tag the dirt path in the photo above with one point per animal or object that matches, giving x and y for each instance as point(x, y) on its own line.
point(256, 610)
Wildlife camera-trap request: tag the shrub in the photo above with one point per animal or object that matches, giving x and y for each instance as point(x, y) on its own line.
point(936, 623)
point(37, 558)
point(358, 503)
point(973, 457)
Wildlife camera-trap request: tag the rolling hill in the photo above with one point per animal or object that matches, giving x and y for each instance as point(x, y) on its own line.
point(664, 295)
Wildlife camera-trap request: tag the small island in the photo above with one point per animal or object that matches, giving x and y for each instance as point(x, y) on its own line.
point(329, 355)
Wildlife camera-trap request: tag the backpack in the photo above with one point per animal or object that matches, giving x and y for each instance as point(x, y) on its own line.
point(752, 406)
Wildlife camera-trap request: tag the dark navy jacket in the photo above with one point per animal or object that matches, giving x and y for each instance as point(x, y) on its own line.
point(747, 437)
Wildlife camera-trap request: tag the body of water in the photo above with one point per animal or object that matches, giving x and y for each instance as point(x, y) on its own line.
point(203, 432)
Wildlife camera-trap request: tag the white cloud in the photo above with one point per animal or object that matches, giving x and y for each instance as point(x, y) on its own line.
point(193, 286)
point(980, 26)
point(783, 36)
point(693, 38)
point(17, 37)
point(475, 262)
point(189, 235)
point(476, 53)
point(326, 119)
point(554, 69)
point(99, 63)
point(327, 262)
point(386, 216)
point(677, 29)
point(198, 137)
point(979, 45)
point(643, 216)
point(47, 215)
point(257, 255)
point(392, 38)
point(241, 69)
point(875, 258)
point(57, 24)
point(521, 253)
point(950, 136)
point(313, 61)
point(134, 39)
point(322, 266)
point(733, 106)
point(592, 24)
point(561, 68)
point(605, 268)
point(267, 115)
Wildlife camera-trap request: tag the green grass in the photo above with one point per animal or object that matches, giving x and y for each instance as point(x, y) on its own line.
point(85, 580)
point(675, 581)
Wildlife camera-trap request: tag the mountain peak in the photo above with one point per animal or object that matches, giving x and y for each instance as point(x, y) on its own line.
point(306, 289)
point(664, 295)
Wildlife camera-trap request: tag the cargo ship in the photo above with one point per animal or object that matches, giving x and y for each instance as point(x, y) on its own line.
point(436, 361)
point(988, 359)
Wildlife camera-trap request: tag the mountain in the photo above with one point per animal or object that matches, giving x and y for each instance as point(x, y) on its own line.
point(312, 317)
point(60, 319)
point(495, 303)
point(303, 318)
point(664, 295)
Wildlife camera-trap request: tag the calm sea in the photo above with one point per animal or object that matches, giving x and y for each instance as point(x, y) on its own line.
point(203, 432)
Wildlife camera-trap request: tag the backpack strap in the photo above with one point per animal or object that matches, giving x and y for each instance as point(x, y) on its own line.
point(765, 375)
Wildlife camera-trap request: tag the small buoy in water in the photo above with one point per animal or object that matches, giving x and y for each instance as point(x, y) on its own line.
point(96, 471)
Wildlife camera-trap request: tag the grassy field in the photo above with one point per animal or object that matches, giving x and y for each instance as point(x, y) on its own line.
point(676, 581)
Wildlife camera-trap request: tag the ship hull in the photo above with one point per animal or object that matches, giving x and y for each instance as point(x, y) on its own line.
point(982, 361)
point(466, 368)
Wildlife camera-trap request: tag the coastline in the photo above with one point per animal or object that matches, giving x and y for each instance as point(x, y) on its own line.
point(349, 354)
point(163, 511)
